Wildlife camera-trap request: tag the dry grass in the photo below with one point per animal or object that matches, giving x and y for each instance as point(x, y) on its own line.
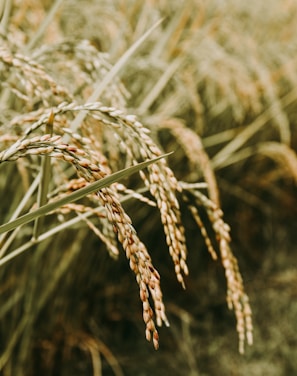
point(207, 82)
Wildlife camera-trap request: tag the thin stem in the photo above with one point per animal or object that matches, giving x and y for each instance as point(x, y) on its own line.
point(17, 212)
point(6, 7)
point(160, 85)
point(228, 151)
point(44, 180)
point(27, 320)
point(42, 28)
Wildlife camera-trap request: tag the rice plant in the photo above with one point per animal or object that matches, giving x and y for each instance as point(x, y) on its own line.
point(79, 117)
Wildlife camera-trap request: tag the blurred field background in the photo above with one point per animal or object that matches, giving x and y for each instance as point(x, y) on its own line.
point(215, 82)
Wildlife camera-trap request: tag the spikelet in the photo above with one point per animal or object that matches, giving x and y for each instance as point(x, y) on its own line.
point(237, 298)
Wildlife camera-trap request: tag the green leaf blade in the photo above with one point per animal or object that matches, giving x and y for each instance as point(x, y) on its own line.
point(91, 188)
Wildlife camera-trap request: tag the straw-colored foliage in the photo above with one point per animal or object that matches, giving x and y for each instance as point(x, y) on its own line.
point(71, 76)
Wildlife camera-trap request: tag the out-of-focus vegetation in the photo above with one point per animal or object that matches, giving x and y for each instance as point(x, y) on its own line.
point(215, 82)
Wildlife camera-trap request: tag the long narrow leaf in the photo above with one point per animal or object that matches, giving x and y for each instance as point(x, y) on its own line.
point(77, 194)
point(102, 84)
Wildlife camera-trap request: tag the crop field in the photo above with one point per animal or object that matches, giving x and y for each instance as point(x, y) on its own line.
point(148, 174)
